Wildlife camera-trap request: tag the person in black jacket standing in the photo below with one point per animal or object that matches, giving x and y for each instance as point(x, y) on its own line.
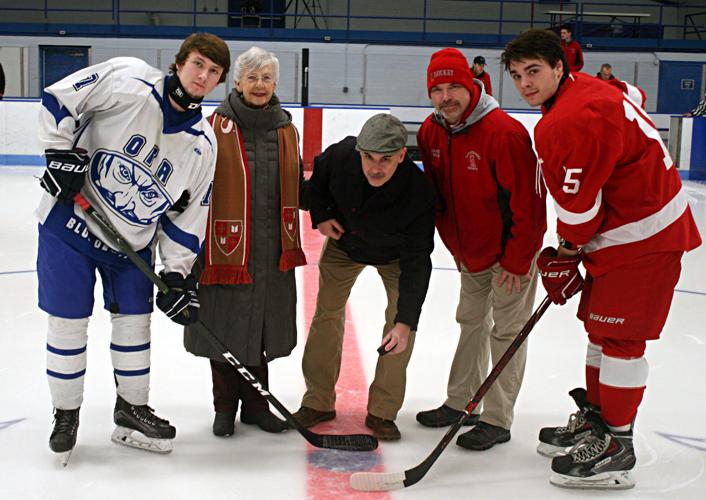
point(376, 208)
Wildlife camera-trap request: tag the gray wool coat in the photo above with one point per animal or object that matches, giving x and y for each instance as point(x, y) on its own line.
point(259, 317)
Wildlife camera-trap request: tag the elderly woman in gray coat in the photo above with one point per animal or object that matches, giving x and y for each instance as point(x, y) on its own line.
point(246, 269)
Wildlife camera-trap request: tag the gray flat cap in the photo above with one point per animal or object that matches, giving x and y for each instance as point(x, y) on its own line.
point(382, 133)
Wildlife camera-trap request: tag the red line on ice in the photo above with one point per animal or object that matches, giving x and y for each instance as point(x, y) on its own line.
point(327, 470)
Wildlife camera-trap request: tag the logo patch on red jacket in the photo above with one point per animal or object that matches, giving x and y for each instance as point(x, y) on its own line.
point(472, 157)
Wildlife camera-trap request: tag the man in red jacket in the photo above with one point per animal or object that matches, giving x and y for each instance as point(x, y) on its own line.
point(491, 216)
point(481, 74)
point(572, 49)
point(622, 211)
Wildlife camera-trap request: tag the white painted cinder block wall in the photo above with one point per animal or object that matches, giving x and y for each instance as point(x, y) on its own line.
point(340, 73)
point(19, 123)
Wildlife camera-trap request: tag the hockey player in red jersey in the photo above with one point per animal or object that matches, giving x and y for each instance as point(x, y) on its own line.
point(623, 213)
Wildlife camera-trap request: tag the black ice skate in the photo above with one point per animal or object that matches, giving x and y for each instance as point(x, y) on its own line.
point(63, 437)
point(139, 427)
point(556, 441)
point(601, 460)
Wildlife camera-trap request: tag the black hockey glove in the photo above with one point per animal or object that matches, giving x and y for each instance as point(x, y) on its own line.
point(65, 173)
point(181, 302)
point(183, 202)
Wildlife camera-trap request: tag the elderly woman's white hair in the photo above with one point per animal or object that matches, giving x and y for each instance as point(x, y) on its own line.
point(255, 59)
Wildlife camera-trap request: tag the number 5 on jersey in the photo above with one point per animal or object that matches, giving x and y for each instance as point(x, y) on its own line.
point(571, 180)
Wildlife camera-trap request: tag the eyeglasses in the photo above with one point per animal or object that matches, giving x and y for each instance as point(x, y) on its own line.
point(265, 79)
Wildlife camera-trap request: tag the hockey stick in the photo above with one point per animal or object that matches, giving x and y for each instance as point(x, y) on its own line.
point(346, 442)
point(386, 481)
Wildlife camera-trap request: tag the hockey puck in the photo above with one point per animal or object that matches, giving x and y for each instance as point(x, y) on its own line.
point(381, 349)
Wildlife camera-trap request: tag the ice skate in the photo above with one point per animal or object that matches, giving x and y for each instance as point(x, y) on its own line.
point(63, 437)
point(601, 460)
point(557, 441)
point(139, 427)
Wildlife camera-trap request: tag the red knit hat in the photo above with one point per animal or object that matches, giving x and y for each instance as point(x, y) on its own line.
point(449, 66)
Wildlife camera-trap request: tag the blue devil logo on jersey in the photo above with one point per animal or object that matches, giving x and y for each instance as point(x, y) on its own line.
point(128, 188)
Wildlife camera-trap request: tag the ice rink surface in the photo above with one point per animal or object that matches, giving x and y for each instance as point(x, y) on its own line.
point(670, 431)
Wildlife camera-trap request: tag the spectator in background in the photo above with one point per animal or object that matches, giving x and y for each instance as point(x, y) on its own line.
point(700, 109)
point(606, 72)
point(480, 74)
point(572, 49)
point(2, 82)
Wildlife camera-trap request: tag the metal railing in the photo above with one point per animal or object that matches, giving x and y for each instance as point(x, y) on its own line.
point(695, 24)
point(424, 21)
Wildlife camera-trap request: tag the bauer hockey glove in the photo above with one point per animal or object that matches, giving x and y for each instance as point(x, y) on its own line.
point(181, 302)
point(65, 173)
point(560, 275)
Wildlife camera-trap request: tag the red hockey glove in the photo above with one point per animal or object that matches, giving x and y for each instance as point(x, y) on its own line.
point(560, 275)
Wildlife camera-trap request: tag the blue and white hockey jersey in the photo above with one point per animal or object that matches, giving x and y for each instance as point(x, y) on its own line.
point(144, 155)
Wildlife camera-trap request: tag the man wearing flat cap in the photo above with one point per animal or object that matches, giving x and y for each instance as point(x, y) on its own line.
point(376, 209)
point(491, 216)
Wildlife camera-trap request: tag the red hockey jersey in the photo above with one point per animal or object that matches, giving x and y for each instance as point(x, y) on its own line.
point(616, 189)
point(490, 207)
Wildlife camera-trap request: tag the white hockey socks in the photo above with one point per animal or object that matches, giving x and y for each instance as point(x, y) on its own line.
point(130, 352)
point(66, 360)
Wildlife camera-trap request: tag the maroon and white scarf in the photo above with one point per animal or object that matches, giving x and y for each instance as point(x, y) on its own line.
point(228, 232)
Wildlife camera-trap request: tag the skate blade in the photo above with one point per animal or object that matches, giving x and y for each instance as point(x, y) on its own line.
point(135, 439)
point(552, 451)
point(619, 480)
point(64, 457)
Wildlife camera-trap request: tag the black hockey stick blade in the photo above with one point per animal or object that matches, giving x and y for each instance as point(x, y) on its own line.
point(387, 481)
point(345, 442)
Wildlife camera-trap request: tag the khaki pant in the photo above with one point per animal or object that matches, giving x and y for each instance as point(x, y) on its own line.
point(490, 319)
point(321, 363)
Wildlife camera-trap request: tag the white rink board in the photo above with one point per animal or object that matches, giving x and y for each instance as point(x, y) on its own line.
point(18, 123)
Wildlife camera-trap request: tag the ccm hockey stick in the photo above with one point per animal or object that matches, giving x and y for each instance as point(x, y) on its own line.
point(386, 481)
point(346, 442)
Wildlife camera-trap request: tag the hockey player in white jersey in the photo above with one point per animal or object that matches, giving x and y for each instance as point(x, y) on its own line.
point(133, 142)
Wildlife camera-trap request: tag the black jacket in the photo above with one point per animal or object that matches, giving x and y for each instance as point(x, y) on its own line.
point(396, 221)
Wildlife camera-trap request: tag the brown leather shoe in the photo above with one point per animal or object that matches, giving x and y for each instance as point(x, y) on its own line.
point(384, 430)
point(309, 417)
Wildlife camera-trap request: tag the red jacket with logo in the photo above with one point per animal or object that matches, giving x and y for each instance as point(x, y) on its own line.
point(490, 206)
point(616, 189)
